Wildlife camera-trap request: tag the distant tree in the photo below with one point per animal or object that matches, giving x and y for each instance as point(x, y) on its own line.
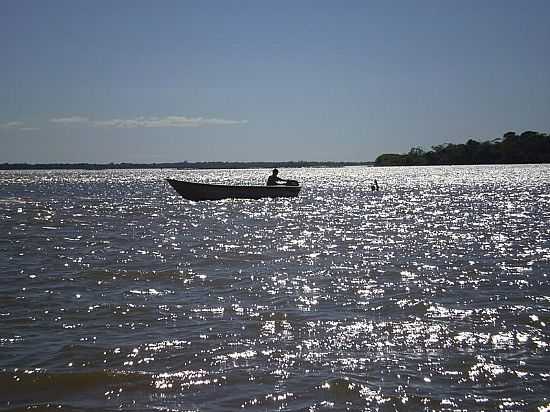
point(390, 159)
point(528, 147)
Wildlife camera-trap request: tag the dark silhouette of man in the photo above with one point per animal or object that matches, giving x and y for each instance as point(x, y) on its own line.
point(273, 179)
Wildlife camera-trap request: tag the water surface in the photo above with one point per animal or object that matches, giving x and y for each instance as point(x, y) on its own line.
point(432, 294)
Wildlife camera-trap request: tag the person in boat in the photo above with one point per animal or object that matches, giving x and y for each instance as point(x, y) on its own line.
point(376, 187)
point(273, 179)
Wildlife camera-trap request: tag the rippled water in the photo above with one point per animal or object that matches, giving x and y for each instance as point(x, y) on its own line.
point(432, 294)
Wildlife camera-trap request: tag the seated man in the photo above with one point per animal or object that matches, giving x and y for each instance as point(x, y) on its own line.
point(273, 179)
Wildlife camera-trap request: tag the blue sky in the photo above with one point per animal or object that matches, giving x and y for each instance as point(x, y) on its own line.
point(142, 81)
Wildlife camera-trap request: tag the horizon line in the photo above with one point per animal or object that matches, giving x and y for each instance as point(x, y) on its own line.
point(182, 164)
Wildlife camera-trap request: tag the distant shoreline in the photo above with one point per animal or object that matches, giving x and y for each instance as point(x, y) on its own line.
point(177, 165)
point(529, 147)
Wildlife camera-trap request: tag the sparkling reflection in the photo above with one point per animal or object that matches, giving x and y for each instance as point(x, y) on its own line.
point(432, 294)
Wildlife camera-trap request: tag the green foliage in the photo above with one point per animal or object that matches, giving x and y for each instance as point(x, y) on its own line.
point(391, 160)
point(528, 147)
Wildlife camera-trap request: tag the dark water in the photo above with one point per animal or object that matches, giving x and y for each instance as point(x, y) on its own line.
point(432, 294)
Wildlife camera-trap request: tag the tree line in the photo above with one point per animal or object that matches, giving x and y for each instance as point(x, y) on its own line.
point(527, 147)
point(178, 165)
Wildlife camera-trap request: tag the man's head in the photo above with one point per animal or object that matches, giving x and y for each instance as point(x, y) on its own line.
point(275, 172)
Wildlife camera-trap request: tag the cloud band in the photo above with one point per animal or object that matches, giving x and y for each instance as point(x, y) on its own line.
point(148, 122)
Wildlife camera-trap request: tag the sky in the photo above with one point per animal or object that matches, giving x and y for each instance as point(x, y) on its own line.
point(237, 80)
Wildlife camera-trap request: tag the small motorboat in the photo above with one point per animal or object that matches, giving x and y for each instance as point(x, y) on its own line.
point(205, 191)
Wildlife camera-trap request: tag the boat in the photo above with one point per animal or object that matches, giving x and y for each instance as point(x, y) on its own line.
point(204, 191)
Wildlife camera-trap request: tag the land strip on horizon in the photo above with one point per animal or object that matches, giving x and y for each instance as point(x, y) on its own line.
point(178, 165)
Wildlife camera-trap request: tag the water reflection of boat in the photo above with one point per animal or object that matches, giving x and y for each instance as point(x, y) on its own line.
point(204, 191)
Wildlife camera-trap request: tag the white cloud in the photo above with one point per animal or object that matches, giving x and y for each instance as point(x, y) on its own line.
point(11, 125)
point(167, 121)
point(16, 125)
point(149, 122)
point(69, 120)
